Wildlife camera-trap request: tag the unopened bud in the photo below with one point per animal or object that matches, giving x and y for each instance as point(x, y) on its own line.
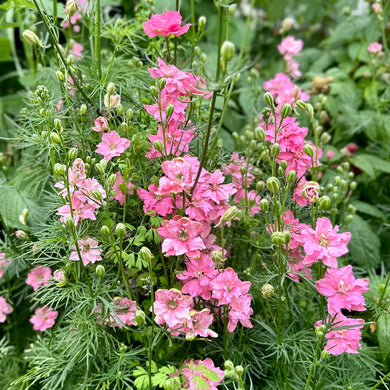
point(324, 202)
point(291, 176)
point(60, 277)
point(232, 9)
point(228, 365)
point(129, 114)
point(230, 214)
point(324, 354)
point(278, 238)
point(72, 153)
point(104, 230)
point(161, 83)
point(59, 169)
point(287, 236)
point(267, 291)
point(125, 127)
point(273, 184)
point(275, 150)
point(110, 89)
point(308, 149)
point(264, 204)
point(154, 91)
point(96, 194)
point(202, 22)
point(120, 230)
point(301, 104)
point(83, 109)
point(158, 145)
point(169, 110)
point(260, 134)
point(100, 270)
point(216, 256)
point(60, 75)
point(69, 223)
point(31, 38)
point(353, 185)
point(112, 179)
point(71, 8)
point(239, 370)
point(140, 317)
point(260, 185)
point(21, 235)
point(119, 109)
point(227, 50)
point(269, 100)
point(55, 138)
point(349, 218)
point(57, 124)
point(145, 254)
point(285, 110)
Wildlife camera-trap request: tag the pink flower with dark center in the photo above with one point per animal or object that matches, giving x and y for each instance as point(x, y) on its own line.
point(227, 285)
point(5, 308)
point(290, 47)
point(39, 276)
point(155, 201)
point(181, 236)
point(112, 145)
point(172, 307)
point(101, 124)
point(89, 251)
point(122, 188)
point(342, 289)
point(166, 24)
point(4, 264)
point(44, 318)
point(125, 309)
point(344, 340)
point(324, 243)
point(197, 276)
point(240, 311)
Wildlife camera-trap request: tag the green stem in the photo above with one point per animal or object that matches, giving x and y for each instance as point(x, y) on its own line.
point(381, 381)
point(220, 33)
point(55, 12)
point(98, 38)
point(313, 365)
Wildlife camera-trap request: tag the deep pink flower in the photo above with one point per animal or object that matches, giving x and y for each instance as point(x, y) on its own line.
point(122, 189)
point(324, 243)
point(181, 236)
point(166, 24)
point(5, 308)
point(44, 318)
point(101, 124)
point(227, 285)
point(290, 47)
point(112, 145)
point(155, 201)
point(39, 276)
point(215, 190)
point(240, 311)
point(342, 289)
point(172, 307)
point(89, 251)
point(344, 340)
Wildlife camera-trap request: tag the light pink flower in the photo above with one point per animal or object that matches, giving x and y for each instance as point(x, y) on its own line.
point(342, 289)
point(39, 276)
point(44, 318)
point(101, 124)
point(227, 285)
point(292, 68)
point(181, 236)
point(4, 264)
point(290, 47)
point(122, 189)
point(324, 243)
point(112, 145)
point(311, 191)
point(166, 24)
point(111, 101)
point(80, 211)
point(240, 311)
point(89, 251)
point(155, 201)
point(374, 48)
point(344, 340)
point(192, 374)
point(5, 308)
point(199, 324)
point(125, 309)
point(377, 8)
point(77, 49)
point(60, 277)
point(330, 154)
point(171, 307)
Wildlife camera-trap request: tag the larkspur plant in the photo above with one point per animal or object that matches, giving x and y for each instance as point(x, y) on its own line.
point(148, 254)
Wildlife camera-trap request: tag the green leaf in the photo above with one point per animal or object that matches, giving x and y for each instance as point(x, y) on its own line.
point(142, 382)
point(159, 379)
point(370, 164)
point(364, 245)
point(367, 208)
point(17, 4)
point(200, 383)
point(5, 49)
point(139, 371)
point(383, 332)
point(129, 259)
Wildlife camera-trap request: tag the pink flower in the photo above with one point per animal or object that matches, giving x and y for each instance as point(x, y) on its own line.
point(181, 236)
point(44, 318)
point(125, 309)
point(4, 263)
point(39, 276)
point(112, 101)
point(324, 243)
point(240, 311)
point(195, 368)
point(292, 68)
point(374, 48)
point(166, 24)
point(60, 277)
point(377, 8)
point(80, 211)
point(89, 251)
point(155, 201)
point(227, 285)
point(311, 191)
point(171, 307)
point(5, 308)
point(112, 145)
point(330, 154)
point(122, 189)
point(342, 289)
point(290, 47)
point(101, 124)
point(344, 340)
point(349, 150)
point(199, 324)
point(77, 49)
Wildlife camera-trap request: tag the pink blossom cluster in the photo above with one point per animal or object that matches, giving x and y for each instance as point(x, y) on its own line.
point(83, 204)
point(43, 318)
point(290, 47)
point(291, 138)
point(5, 308)
point(174, 133)
point(284, 90)
point(4, 263)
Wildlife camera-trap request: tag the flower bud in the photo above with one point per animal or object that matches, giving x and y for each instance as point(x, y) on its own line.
point(154, 91)
point(169, 110)
point(311, 191)
point(216, 256)
point(140, 317)
point(125, 127)
point(275, 150)
point(21, 235)
point(202, 22)
point(267, 291)
point(228, 365)
point(232, 9)
point(291, 176)
point(96, 194)
point(349, 218)
point(239, 370)
point(227, 50)
point(280, 171)
point(145, 254)
point(57, 124)
point(60, 277)
point(158, 145)
point(129, 114)
point(324, 202)
point(308, 149)
point(273, 184)
point(335, 197)
point(120, 230)
point(285, 110)
point(278, 238)
point(119, 109)
point(59, 170)
point(55, 138)
point(69, 223)
point(264, 204)
point(71, 8)
point(230, 214)
point(260, 134)
point(161, 83)
point(83, 109)
point(72, 153)
point(104, 230)
point(301, 104)
point(31, 38)
point(287, 236)
point(60, 75)
point(100, 270)
point(260, 185)
point(110, 89)
point(324, 354)
point(269, 100)
point(112, 179)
